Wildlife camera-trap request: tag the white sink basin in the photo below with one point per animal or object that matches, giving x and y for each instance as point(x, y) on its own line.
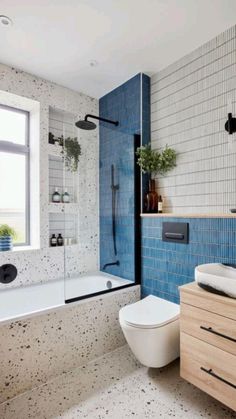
point(219, 277)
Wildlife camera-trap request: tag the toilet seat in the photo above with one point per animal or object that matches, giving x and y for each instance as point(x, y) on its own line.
point(149, 313)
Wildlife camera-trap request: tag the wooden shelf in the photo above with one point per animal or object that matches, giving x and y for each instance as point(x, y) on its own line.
point(173, 215)
point(64, 245)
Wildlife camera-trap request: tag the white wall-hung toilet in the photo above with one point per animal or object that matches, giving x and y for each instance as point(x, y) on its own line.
point(151, 329)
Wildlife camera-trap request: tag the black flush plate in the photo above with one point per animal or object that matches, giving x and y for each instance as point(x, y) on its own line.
point(175, 232)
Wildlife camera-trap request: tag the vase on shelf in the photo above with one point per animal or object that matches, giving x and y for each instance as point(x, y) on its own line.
point(151, 199)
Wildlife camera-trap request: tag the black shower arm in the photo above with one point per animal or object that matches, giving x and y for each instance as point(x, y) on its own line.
point(101, 119)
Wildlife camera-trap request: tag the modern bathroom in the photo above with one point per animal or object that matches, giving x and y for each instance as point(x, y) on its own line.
point(117, 209)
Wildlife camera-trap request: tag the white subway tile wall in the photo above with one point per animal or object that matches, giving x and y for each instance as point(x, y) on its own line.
point(61, 123)
point(61, 178)
point(65, 224)
point(190, 101)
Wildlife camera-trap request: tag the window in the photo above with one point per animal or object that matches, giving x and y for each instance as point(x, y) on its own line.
point(14, 172)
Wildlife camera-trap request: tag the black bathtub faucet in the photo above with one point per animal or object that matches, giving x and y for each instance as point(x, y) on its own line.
point(117, 263)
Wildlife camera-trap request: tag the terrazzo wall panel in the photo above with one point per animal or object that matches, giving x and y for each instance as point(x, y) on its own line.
point(44, 263)
point(36, 349)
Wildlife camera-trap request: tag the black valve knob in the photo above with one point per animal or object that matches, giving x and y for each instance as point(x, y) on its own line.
point(8, 273)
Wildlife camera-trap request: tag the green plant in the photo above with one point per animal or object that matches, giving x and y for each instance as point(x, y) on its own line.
point(6, 231)
point(71, 151)
point(154, 161)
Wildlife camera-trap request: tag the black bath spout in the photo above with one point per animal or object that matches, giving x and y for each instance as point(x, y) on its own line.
point(117, 263)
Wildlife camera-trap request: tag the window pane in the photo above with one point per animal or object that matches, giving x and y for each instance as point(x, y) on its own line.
point(12, 126)
point(13, 193)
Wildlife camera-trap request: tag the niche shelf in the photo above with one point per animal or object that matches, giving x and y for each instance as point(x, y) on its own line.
point(63, 217)
point(66, 224)
point(70, 208)
point(55, 150)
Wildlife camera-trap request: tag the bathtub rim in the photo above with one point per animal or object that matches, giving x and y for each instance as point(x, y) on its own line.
point(82, 300)
point(104, 291)
point(97, 294)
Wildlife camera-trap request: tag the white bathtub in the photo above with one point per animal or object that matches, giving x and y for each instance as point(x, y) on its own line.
point(19, 302)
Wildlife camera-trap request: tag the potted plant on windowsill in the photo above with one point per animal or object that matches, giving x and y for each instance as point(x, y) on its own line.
point(6, 237)
point(153, 162)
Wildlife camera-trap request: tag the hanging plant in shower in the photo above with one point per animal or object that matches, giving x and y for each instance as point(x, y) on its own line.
point(71, 152)
point(154, 161)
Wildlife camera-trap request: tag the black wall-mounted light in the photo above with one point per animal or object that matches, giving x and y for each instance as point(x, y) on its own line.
point(230, 125)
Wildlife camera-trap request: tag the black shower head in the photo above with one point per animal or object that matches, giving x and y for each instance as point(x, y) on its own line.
point(88, 125)
point(84, 124)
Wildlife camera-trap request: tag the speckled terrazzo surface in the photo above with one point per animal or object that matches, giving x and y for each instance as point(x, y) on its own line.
point(34, 350)
point(45, 264)
point(116, 386)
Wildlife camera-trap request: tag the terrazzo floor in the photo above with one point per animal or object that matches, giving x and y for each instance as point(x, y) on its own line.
point(116, 386)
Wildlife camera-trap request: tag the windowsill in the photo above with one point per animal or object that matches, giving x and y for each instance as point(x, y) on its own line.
point(20, 249)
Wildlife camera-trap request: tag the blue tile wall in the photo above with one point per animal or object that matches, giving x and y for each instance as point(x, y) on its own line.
point(117, 147)
point(146, 124)
point(146, 110)
point(165, 266)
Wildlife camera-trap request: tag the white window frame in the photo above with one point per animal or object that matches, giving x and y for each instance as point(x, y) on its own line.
point(13, 148)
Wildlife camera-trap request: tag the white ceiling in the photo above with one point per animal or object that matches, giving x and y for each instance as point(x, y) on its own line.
point(57, 39)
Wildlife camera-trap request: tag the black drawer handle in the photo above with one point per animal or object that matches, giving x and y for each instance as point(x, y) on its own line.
point(210, 372)
point(209, 329)
point(176, 236)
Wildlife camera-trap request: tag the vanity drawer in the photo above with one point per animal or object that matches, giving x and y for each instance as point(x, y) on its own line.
point(195, 296)
point(209, 368)
point(216, 330)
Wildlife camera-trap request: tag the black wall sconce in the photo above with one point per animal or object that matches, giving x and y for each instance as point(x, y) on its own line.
point(230, 125)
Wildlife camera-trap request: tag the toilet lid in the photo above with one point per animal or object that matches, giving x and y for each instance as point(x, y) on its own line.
point(150, 312)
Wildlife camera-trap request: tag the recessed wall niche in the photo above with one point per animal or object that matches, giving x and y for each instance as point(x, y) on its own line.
point(62, 216)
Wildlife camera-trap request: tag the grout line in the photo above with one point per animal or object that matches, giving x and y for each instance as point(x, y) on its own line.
point(190, 96)
point(189, 118)
point(190, 106)
point(197, 58)
point(196, 82)
point(233, 51)
point(188, 129)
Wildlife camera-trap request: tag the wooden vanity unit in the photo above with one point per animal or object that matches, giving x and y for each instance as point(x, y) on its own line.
point(208, 342)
